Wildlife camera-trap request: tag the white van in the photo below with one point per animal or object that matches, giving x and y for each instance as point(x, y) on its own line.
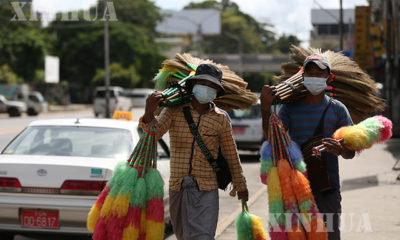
point(118, 100)
point(138, 96)
point(247, 128)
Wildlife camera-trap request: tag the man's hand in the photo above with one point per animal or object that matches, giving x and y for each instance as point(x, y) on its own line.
point(267, 97)
point(244, 195)
point(152, 102)
point(332, 146)
point(336, 148)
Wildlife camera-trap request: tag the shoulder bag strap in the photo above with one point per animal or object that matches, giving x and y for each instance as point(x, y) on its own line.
point(320, 127)
point(193, 130)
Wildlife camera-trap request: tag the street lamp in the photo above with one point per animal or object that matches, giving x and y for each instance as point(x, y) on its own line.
point(106, 61)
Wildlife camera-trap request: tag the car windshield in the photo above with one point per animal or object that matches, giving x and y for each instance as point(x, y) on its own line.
point(75, 141)
point(102, 93)
point(253, 112)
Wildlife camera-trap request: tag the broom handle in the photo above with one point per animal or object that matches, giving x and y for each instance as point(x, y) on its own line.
point(316, 151)
point(245, 208)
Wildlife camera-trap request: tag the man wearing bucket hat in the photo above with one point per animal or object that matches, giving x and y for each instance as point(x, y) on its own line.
point(311, 121)
point(193, 195)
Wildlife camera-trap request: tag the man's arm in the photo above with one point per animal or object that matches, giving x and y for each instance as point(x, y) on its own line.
point(163, 121)
point(334, 146)
point(229, 151)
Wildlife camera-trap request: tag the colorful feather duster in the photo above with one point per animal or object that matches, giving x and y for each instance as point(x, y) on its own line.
point(131, 206)
point(358, 137)
point(249, 226)
point(293, 213)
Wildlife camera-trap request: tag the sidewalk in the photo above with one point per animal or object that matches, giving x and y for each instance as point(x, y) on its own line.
point(370, 197)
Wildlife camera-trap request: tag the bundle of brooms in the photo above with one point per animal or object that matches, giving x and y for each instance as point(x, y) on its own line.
point(175, 72)
point(350, 84)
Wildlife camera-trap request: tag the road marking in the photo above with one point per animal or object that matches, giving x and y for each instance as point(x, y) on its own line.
point(11, 130)
point(224, 224)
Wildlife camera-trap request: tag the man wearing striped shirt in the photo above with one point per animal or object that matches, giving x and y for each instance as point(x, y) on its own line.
point(194, 201)
point(301, 120)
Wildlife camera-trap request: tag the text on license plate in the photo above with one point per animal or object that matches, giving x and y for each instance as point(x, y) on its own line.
point(39, 218)
point(238, 130)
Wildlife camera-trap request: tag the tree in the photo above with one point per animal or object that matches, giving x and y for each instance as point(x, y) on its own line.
point(258, 80)
point(255, 36)
point(23, 44)
point(7, 76)
point(284, 43)
point(119, 76)
point(80, 45)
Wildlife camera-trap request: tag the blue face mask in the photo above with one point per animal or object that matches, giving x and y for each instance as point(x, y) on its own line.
point(315, 85)
point(204, 94)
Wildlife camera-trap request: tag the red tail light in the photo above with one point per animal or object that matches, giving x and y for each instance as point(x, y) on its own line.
point(8, 184)
point(83, 187)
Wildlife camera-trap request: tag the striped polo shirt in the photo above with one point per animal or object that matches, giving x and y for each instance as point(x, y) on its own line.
point(302, 119)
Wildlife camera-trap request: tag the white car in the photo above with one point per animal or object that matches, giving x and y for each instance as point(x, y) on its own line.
point(247, 128)
point(138, 96)
point(52, 172)
point(118, 100)
point(13, 108)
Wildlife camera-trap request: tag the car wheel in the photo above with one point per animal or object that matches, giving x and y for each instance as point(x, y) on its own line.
point(14, 112)
point(32, 112)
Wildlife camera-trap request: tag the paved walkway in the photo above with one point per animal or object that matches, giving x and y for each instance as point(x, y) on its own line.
point(370, 192)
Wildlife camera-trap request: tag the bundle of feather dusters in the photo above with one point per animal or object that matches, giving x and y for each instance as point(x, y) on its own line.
point(350, 85)
point(183, 65)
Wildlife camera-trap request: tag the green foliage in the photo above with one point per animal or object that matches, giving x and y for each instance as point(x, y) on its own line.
point(7, 76)
point(141, 13)
point(255, 36)
point(258, 80)
point(119, 76)
point(285, 41)
point(22, 43)
point(80, 46)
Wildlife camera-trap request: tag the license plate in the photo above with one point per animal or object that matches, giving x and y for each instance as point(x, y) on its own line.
point(238, 130)
point(36, 218)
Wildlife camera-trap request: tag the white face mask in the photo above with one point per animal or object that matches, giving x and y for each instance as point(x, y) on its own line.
point(315, 85)
point(204, 94)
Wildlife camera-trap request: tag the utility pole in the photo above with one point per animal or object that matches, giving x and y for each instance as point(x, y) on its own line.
point(106, 60)
point(341, 26)
point(387, 16)
point(395, 75)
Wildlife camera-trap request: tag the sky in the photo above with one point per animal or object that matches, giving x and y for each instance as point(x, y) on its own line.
point(287, 16)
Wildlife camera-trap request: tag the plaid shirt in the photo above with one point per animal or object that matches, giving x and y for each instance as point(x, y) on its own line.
point(186, 156)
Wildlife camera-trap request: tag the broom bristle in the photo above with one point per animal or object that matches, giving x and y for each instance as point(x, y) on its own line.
point(351, 81)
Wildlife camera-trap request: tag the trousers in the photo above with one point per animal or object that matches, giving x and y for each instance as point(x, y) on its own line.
point(194, 213)
point(329, 204)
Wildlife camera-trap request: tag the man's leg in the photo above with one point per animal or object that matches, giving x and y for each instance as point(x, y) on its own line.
point(194, 213)
point(330, 205)
point(175, 211)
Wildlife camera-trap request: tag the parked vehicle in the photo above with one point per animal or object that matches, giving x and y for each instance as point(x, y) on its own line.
point(138, 96)
point(52, 172)
point(34, 100)
point(247, 128)
point(118, 100)
point(13, 108)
